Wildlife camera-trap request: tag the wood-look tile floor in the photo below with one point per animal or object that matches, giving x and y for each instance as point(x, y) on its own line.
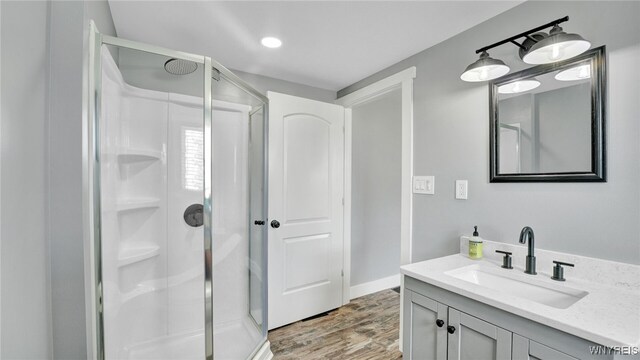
point(365, 329)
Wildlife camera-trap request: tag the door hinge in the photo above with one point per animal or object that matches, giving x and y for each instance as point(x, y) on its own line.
point(342, 272)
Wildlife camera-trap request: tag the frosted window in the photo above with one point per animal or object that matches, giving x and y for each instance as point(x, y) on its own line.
point(193, 161)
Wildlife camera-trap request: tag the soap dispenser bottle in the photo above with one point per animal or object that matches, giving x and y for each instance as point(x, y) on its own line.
point(475, 245)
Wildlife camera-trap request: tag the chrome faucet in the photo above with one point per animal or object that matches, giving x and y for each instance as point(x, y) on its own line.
point(527, 233)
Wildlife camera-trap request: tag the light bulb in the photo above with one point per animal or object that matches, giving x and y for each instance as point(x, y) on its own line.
point(555, 52)
point(584, 72)
point(484, 73)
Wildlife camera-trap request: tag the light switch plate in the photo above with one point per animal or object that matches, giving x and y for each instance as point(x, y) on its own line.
point(424, 185)
point(462, 189)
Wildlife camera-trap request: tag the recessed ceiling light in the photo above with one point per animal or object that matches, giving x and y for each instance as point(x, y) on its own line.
point(271, 42)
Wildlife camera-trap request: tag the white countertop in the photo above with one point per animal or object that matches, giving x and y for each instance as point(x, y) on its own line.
point(608, 315)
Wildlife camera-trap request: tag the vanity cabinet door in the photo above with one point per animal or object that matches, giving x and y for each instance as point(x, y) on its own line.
point(525, 349)
point(473, 339)
point(425, 328)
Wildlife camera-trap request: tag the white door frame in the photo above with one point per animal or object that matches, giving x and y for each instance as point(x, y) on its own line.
point(402, 80)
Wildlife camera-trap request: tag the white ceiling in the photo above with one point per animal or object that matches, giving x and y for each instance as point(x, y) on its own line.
point(329, 44)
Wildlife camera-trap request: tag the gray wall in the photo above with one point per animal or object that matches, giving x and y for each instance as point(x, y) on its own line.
point(65, 181)
point(42, 261)
point(265, 83)
point(68, 31)
point(375, 189)
point(451, 132)
point(25, 322)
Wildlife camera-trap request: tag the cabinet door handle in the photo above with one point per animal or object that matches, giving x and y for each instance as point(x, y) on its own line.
point(451, 329)
point(439, 322)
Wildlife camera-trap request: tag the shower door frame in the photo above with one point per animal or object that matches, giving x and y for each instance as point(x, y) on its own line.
point(92, 186)
point(93, 183)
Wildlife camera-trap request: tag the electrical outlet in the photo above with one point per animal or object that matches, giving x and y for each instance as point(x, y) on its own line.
point(424, 185)
point(462, 189)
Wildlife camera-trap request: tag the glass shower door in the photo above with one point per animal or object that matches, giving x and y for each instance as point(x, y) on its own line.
point(257, 216)
point(178, 206)
point(152, 183)
point(238, 221)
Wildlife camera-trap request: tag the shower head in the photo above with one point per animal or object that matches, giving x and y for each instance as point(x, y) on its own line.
point(180, 67)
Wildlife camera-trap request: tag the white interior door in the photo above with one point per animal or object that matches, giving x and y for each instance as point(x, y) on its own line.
point(306, 189)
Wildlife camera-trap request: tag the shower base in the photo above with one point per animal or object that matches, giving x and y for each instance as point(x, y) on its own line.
point(232, 341)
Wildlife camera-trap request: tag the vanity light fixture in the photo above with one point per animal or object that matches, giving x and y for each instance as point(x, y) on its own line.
point(575, 73)
point(536, 48)
point(485, 68)
point(518, 86)
point(557, 46)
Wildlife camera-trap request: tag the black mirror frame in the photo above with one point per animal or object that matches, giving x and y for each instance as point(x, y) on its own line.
point(598, 171)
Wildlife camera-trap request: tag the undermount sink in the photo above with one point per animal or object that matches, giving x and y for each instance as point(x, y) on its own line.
point(556, 296)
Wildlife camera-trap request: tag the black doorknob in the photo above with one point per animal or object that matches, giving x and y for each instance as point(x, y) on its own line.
point(451, 329)
point(439, 322)
point(275, 224)
point(259, 222)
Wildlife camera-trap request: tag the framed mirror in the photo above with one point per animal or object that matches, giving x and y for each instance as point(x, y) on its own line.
point(547, 123)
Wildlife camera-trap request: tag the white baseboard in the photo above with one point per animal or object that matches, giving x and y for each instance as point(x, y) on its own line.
point(370, 287)
point(264, 353)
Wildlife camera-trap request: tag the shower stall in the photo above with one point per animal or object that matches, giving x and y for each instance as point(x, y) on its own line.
point(176, 206)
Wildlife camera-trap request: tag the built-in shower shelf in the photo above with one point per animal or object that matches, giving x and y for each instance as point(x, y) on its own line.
point(136, 253)
point(127, 155)
point(137, 204)
point(194, 273)
point(140, 290)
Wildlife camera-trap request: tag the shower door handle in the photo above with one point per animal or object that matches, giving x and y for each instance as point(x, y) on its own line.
point(275, 224)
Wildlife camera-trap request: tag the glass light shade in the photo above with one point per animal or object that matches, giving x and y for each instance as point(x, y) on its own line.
point(575, 73)
point(557, 46)
point(484, 69)
point(518, 86)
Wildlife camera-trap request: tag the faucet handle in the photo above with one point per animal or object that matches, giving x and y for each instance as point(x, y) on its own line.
point(558, 270)
point(562, 263)
point(506, 260)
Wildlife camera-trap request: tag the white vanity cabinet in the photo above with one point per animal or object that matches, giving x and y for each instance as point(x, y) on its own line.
point(442, 325)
